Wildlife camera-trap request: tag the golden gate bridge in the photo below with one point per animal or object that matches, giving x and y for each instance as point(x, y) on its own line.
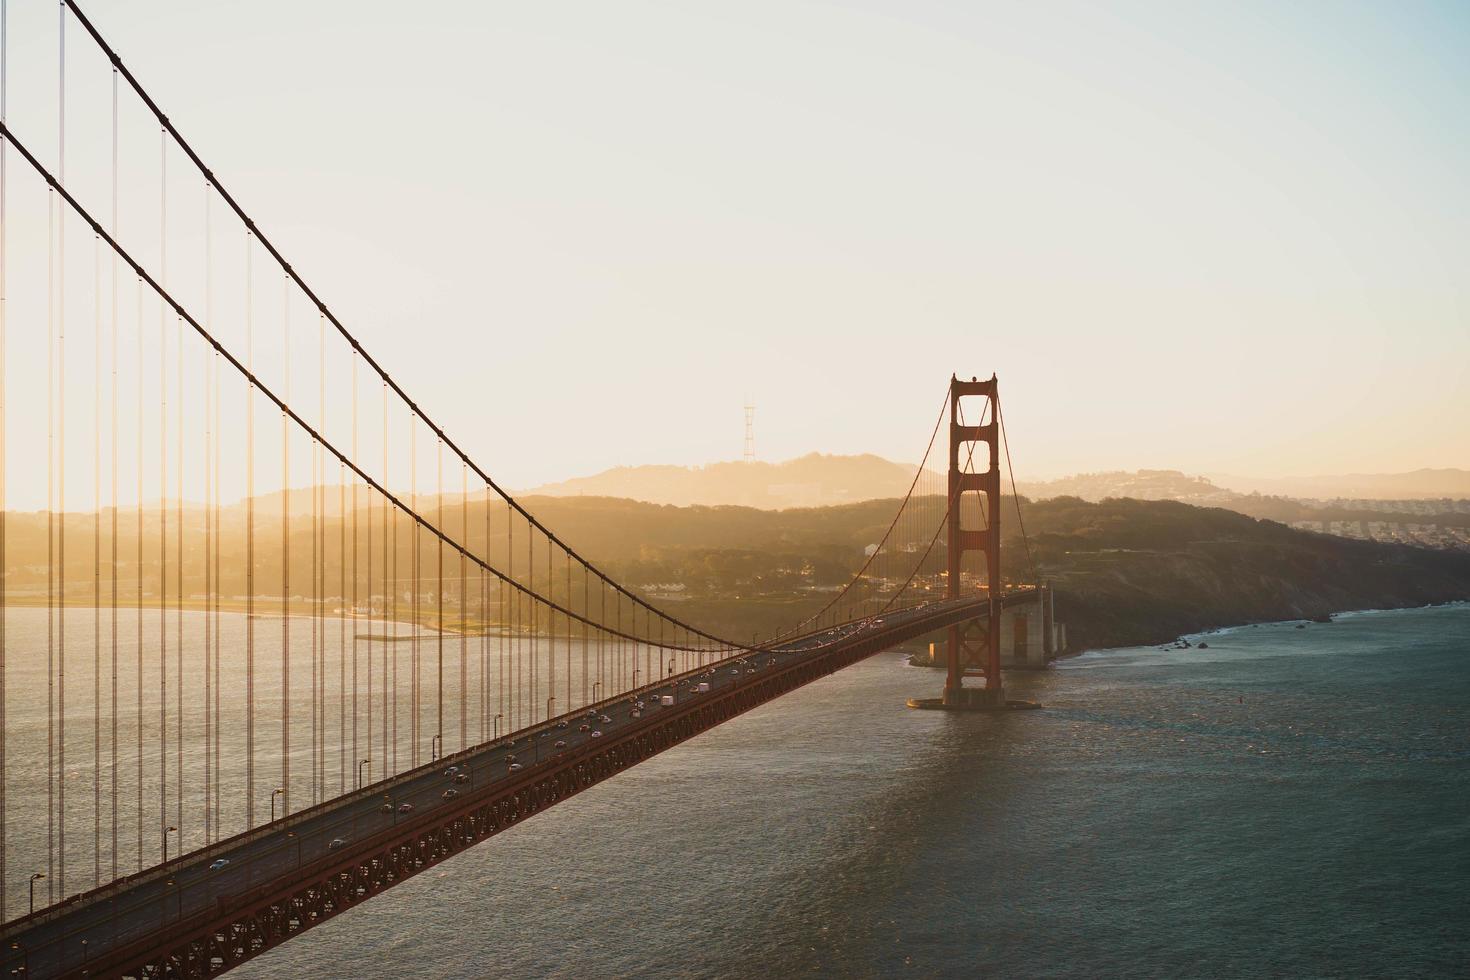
point(270, 640)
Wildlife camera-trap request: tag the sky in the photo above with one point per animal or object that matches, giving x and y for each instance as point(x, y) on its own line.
point(1211, 237)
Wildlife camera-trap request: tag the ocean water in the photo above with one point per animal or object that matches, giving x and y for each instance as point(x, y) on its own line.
point(1287, 803)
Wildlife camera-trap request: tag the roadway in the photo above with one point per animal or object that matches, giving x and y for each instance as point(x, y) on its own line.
point(60, 940)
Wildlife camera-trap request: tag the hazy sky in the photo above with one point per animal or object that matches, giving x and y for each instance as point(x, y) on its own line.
point(1221, 238)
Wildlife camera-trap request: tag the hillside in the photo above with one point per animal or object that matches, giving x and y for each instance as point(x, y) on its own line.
point(1127, 571)
point(1130, 571)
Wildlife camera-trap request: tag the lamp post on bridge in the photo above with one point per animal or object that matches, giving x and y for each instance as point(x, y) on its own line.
point(496, 730)
point(549, 702)
point(166, 832)
point(595, 686)
point(435, 744)
point(360, 764)
point(38, 876)
point(275, 793)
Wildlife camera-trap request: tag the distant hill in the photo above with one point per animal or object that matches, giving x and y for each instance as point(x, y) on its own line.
point(1425, 484)
point(814, 480)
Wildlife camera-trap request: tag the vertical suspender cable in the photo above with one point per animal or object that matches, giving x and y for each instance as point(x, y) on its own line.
point(356, 754)
point(368, 601)
point(568, 705)
point(587, 613)
point(464, 690)
point(249, 532)
point(138, 619)
point(550, 632)
point(316, 617)
point(439, 591)
point(113, 446)
point(179, 593)
point(50, 546)
point(61, 480)
point(319, 500)
point(484, 622)
point(533, 637)
point(388, 645)
point(390, 600)
point(96, 560)
point(4, 80)
point(218, 588)
point(342, 627)
point(163, 495)
point(209, 583)
point(286, 550)
point(509, 630)
point(413, 528)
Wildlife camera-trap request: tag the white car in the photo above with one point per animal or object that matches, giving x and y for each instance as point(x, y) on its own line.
point(219, 864)
point(597, 735)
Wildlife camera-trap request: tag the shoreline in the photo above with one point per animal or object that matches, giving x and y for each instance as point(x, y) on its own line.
point(1197, 635)
point(1194, 637)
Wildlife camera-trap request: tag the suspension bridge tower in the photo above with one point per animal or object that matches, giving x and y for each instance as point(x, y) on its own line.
point(973, 525)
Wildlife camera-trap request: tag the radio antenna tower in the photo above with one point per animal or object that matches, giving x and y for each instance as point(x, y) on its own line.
point(749, 432)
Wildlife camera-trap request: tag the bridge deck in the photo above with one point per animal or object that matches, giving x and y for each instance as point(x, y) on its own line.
point(137, 925)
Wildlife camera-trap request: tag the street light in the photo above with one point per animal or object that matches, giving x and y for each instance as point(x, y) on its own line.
point(166, 832)
point(275, 793)
point(35, 878)
point(437, 740)
point(359, 771)
point(496, 723)
point(635, 676)
point(595, 686)
point(549, 702)
point(672, 662)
